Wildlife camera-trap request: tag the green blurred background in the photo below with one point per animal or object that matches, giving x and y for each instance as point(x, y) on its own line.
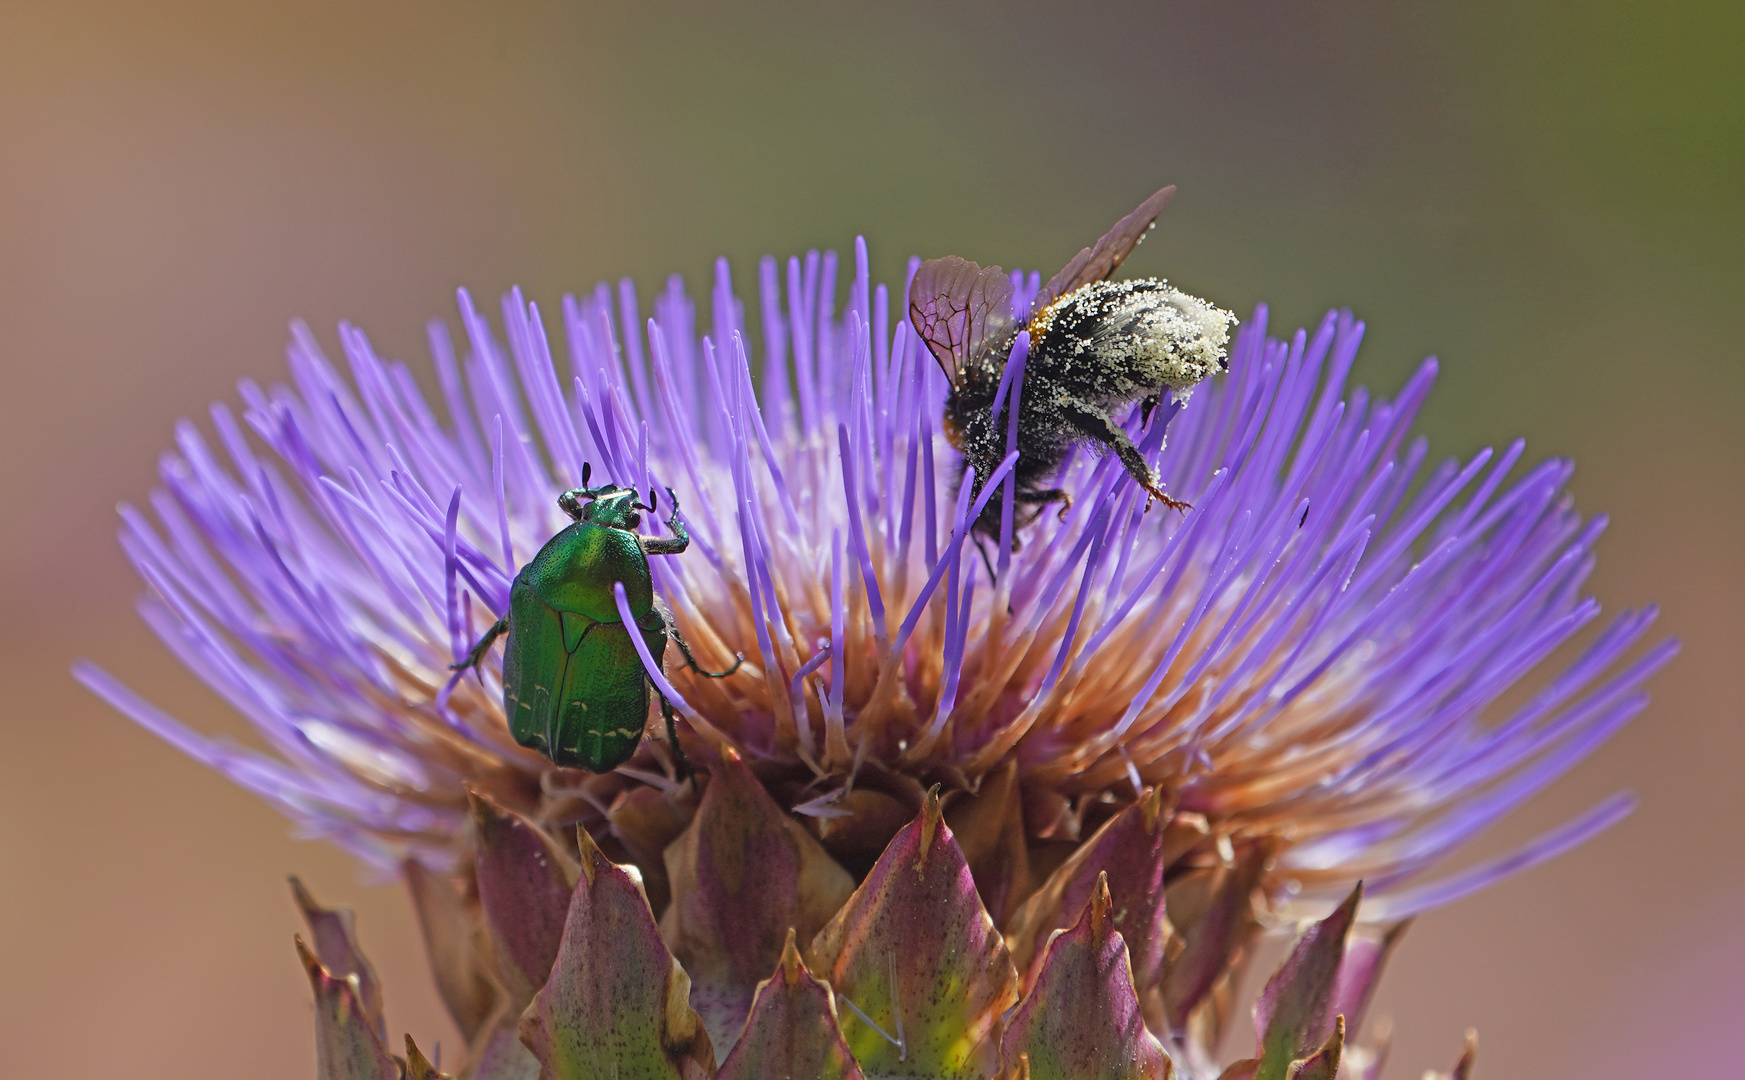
point(1546, 196)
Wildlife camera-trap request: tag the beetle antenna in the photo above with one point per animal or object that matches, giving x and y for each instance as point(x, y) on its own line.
point(587, 470)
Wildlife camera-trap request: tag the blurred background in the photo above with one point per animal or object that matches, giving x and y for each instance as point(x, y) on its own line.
point(1549, 201)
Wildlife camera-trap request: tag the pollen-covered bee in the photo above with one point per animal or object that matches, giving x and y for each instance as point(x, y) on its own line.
point(1096, 348)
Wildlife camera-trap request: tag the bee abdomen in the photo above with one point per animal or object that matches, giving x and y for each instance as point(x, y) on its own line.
point(1120, 341)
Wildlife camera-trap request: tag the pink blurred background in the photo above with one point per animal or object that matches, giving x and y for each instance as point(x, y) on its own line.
point(1550, 204)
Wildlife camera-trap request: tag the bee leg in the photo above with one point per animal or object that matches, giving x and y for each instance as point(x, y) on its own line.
point(1040, 499)
point(987, 562)
point(1157, 494)
point(672, 738)
point(478, 654)
point(678, 639)
point(1095, 424)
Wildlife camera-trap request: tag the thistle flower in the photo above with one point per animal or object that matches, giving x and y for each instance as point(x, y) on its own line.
point(1022, 816)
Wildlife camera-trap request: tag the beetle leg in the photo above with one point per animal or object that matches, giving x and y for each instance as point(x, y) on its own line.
point(484, 645)
point(672, 737)
point(680, 539)
point(690, 660)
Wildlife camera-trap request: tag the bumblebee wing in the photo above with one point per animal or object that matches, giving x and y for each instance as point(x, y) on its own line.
point(961, 311)
point(1098, 262)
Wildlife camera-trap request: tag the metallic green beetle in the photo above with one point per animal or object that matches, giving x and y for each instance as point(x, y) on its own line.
point(573, 687)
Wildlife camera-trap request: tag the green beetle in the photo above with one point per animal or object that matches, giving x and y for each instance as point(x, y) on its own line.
point(573, 687)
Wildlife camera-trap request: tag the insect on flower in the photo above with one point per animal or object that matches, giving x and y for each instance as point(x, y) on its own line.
point(1073, 801)
point(1095, 348)
point(574, 687)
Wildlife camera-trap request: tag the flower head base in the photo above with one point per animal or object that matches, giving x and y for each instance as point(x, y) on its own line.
point(1285, 688)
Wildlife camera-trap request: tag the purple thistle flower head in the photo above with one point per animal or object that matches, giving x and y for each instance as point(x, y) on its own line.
point(1312, 653)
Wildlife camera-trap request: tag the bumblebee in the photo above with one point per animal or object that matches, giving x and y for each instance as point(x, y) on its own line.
point(1097, 347)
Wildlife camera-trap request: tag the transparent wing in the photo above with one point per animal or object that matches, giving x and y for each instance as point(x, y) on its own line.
point(1096, 263)
point(960, 310)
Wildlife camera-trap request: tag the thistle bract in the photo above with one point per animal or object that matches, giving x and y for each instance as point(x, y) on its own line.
point(954, 818)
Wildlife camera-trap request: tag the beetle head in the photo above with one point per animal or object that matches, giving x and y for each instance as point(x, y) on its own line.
point(609, 506)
